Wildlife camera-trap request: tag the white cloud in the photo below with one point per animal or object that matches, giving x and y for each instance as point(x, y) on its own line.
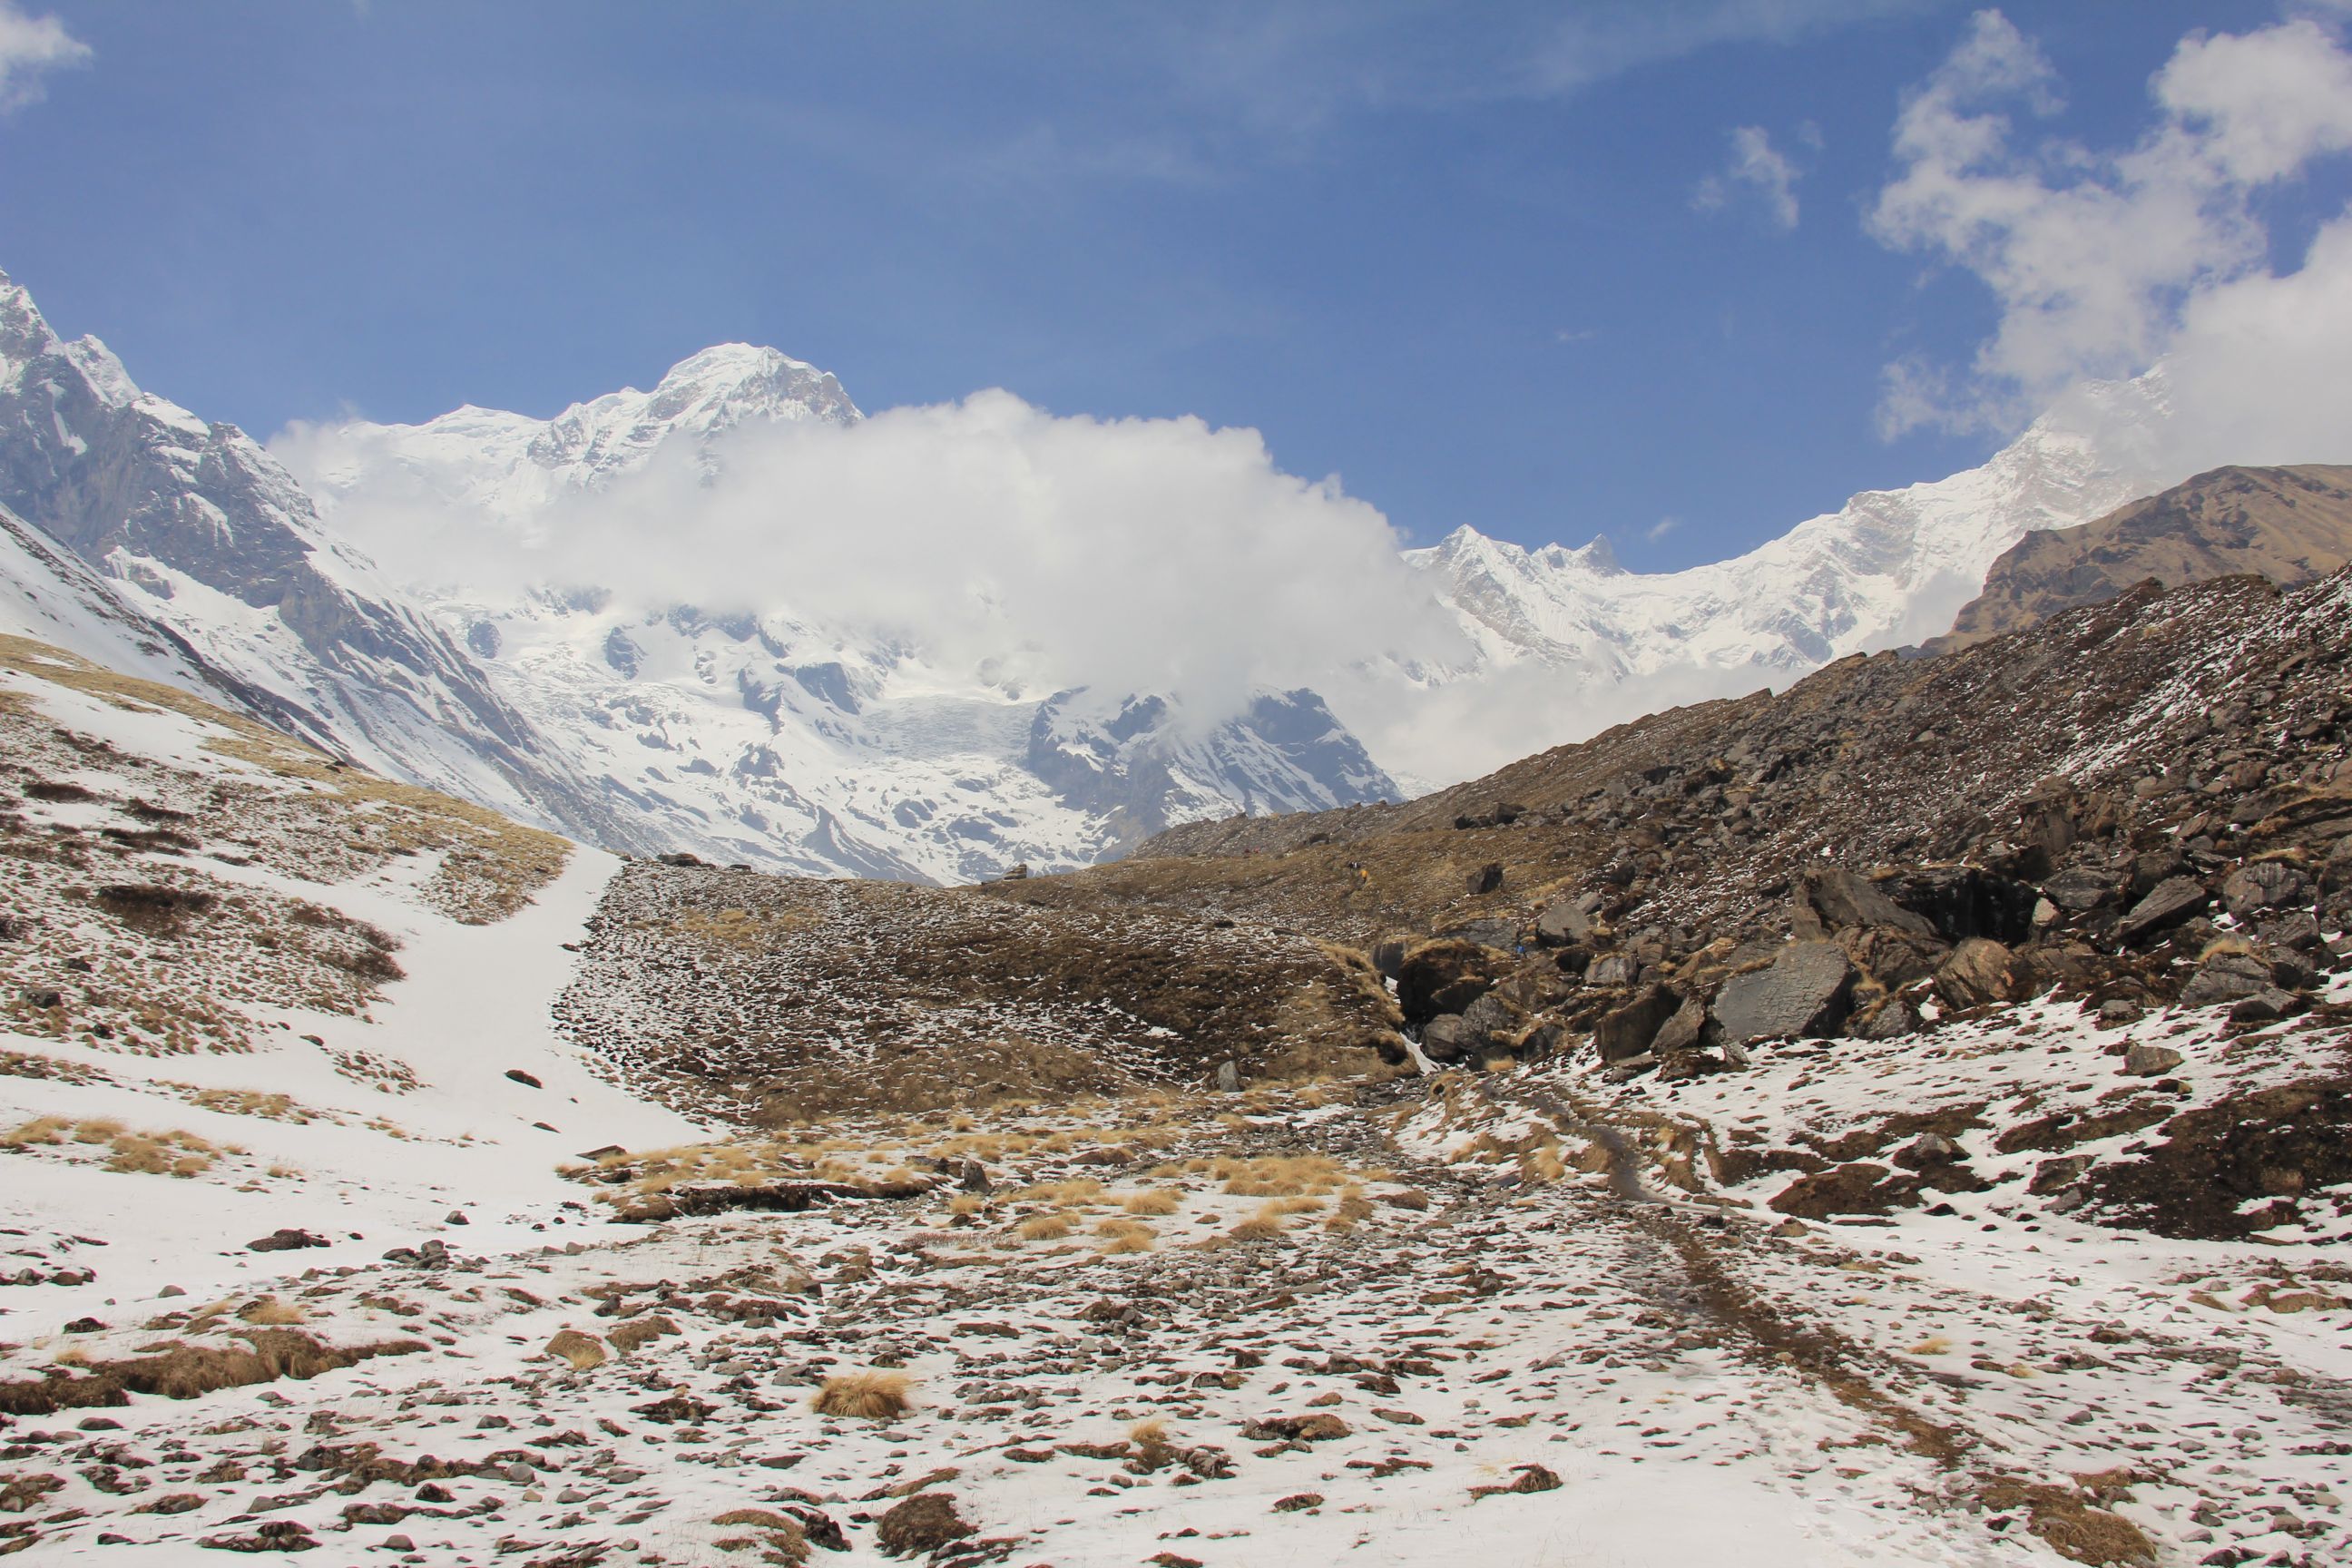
point(2098, 259)
point(1763, 168)
point(31, 47)
point(1661, 528)
point(1125, 556)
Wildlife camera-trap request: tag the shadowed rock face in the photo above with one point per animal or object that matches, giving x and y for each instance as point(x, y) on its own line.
point(2288, 524)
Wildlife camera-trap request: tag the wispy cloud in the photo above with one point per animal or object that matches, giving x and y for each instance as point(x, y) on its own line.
point(1661, 528)
point(31, 48)
point(2101, 261)
point(1761, 167)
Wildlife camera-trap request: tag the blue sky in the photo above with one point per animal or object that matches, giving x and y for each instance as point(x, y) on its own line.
point(1489, 264)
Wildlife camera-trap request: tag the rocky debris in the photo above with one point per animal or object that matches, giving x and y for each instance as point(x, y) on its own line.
point(1486, 878)
point(526, 1080)
point(2151, 1061)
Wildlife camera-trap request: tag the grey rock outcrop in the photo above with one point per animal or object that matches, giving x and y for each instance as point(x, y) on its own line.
point(1805, 993)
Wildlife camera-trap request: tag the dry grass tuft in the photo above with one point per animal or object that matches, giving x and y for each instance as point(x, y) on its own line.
point(581, 1352)
point(1934, 1344)
point(865, 1396)
point(1156, 1202)
point(269, 1312)
point(41, 1130)
point(1125, 1236)
point(968, 1203)
point(1045, 1227)
point(1264, 1225)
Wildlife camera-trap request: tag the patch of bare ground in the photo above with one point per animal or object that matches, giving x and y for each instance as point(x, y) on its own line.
point(780, 999)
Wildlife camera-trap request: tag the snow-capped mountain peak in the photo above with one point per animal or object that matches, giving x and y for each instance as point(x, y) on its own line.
point(703, 395)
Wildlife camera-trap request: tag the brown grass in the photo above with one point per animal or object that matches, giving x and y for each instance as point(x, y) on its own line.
point(269, 1312)
point(1045, 1227)
point(1160, 1200)
point(581, 1352)
point(864, 1396)
point(640, 1332)
point(1125, 1236)
point(41, 1131)
point(188, 1372)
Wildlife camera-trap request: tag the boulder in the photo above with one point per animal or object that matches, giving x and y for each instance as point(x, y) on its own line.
point(1804, 994)
point(1495, 1021)
point(1627, 1031)
point(1612, 970)
point(2151, 1061)
point(2266, 1006)
point(286, 1240)
point(2168, 903)
point(1487, 878)
point(1562, 923)
point(1893, 958)
point(1682, 1031)
point(1841, 899)
point(1892, 1019)
point(2264, 885)
point(2080, 889)
point(1929, 1149)
point(1448, 1038)
point(1979, 972)
point(1444, 976)
point(2226, 976)
point(1388, 955)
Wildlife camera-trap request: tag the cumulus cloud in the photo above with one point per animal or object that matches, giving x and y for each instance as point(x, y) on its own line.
point(1760, 166)
point(1123, 555)
point(30, 48)
point(2106, 262)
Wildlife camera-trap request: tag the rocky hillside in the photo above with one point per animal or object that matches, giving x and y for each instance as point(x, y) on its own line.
point(2142, 805)
point(2289, 525)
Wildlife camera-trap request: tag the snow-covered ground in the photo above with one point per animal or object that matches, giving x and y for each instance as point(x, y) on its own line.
point(1539, 1316)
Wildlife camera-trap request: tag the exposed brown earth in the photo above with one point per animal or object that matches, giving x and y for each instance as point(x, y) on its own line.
point(2288, 524)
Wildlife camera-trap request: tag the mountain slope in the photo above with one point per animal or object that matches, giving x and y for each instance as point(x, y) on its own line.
point(777, 739)
point(132, 530)
point(2287, 524)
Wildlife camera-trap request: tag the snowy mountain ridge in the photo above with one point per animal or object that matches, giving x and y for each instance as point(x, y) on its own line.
point(134, 532)
point(1889, 568)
